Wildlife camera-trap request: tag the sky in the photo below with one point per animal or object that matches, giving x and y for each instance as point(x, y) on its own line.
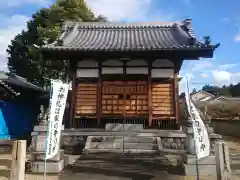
point(218, 19)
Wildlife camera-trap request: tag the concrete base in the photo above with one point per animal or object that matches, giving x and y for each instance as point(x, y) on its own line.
point(40, 156)
point(52, 167)
point(204, 170)
point(191, 160)
point(206, 166)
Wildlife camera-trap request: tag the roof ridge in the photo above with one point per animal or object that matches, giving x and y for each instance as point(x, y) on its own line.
point(187, 26)
point(118, 36)
point(120, 25)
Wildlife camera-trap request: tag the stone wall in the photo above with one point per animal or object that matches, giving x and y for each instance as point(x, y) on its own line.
point(226, 127)
point(173, 142)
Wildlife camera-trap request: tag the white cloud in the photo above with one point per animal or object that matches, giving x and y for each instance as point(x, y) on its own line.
point(226, 77)
point(202, 64)
point(227, 66)
point(11, 26)
point(237, 37)
point(120, 9)
point(203, 75)
point(221, 76)
point(116, 10)
point(190, 76)
point(17, 3)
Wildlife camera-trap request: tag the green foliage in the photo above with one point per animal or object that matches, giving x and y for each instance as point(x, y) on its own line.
point(235, 90)
point(219, 91)
point(44, 28)
point(229, 91)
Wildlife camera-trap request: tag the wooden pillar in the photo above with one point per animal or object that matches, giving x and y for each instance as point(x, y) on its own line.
point(177, 66)
point(73, 98)
point(175, 96)
point(150, 116)
point(124, 91)
point(18, 160)
point(99, 93)
point(222, 161)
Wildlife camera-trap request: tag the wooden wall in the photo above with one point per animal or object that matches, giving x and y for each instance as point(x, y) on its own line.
point(86, 99)
point(124, 98)
point(128, 98)
point(162, 100)
point(114, 96)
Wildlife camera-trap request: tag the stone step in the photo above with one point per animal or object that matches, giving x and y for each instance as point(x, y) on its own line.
point(153, 157)
point(132, 151)
point(120, 145)
point(125, 127)
point(139, 139)
point(126, 158)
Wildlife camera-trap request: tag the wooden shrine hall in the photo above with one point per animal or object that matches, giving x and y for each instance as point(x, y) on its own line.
point(126, 72)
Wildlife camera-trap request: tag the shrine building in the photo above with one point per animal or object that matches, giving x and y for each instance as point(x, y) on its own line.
point(126, 72)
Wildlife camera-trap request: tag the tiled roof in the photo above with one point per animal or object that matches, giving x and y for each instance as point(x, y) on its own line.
point(8, 88)
point(94, 36)
point(10, 80)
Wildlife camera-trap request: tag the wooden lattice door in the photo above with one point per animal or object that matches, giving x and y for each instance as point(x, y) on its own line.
point(125, 98)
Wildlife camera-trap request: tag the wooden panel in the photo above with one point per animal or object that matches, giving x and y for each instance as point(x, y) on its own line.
point(86, 98)
point(88, 63)
point(162, 102)
point(137, 70)
point(112, 70)
point(162, 63)
point(164, 73)
point(87, 73)
point(124, 97)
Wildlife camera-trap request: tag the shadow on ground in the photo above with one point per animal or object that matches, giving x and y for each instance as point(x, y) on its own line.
point(116, 166)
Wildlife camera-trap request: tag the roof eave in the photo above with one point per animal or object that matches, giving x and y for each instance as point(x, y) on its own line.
point(67, 49)
point(9, 90)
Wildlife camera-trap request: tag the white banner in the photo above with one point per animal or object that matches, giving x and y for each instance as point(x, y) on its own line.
point(202, 143)
point(58, 100)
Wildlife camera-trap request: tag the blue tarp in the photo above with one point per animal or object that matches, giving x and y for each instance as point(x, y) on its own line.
point(16, 119)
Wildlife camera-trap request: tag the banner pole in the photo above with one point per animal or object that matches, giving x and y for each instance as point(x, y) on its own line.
point(197, 170)
point(45, 159)
point(45, 169)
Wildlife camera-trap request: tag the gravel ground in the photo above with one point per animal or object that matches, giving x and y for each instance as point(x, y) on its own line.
point(109, 172)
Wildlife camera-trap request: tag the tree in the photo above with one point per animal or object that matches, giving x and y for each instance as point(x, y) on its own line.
point(194, 91)
point(44, 27)
point(218, 91)
point(235, 90)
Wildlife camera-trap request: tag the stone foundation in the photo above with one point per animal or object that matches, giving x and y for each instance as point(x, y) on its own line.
point(114, 140)
point(206, 166)
point(51, 167)
point(133, 139)
point(37, 154)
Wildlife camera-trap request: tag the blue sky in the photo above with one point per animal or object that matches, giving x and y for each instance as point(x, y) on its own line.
point(218, 19)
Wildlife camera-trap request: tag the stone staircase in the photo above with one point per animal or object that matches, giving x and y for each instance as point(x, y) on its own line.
point(235, 158)
point(121, 144)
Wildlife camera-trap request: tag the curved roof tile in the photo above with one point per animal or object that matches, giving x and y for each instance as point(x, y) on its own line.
point(99, 36)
